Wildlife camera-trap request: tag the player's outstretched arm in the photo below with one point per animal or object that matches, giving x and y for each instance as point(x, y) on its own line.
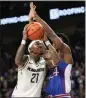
point(65, 49)
point(60, 45)
point(20, 58)
point(31, 12)
point(49, 32)
point(51, 55)
point(20, 52)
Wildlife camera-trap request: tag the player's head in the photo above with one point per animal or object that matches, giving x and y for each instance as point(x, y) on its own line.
point(36, 48)
point(64, 38)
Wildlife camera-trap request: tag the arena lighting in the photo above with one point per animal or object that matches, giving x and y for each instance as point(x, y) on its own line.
point(14, 20)
point(54, 14)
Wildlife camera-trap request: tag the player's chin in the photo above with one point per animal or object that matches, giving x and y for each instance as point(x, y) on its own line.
point(35, 54)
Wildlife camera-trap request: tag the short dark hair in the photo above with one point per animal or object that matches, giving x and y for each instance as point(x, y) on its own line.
point(64, 38)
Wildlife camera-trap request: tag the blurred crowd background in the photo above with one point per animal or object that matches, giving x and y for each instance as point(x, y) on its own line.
point(11, 34)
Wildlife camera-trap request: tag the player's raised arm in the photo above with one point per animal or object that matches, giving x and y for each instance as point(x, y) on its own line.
point(65, 49)
point(31, 13)
point(51, 54)
point(60, 45)
point(20, 52)
point(50, 33)
point(20, 58)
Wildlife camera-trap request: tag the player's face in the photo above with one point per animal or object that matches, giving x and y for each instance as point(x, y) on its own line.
point(55, 45)
point(37, 49)
point(59, 53)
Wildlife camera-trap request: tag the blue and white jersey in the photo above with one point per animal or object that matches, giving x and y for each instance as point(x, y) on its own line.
point(59, 82)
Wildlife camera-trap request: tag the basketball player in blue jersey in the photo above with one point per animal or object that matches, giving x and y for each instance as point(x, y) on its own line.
point(59, 83)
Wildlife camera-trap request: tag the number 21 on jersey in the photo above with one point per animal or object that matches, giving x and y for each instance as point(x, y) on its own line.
point(35, 77)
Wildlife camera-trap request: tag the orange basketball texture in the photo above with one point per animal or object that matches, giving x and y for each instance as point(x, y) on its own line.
point(35, 31)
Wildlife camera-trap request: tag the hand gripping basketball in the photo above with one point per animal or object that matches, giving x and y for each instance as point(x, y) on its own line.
point(35, 31)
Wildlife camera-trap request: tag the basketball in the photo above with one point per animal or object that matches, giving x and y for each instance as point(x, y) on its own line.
point(35, 31)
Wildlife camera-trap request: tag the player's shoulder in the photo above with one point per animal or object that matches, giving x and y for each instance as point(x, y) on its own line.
point(24, 61)
point(66, 49)
point(62, 64)
point(67, 46)
point(25, 57)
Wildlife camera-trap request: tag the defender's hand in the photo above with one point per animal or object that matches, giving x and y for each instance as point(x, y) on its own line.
point(32, 11)
point(32, 6)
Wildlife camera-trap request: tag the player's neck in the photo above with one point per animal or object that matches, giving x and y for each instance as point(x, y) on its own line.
point(35, 59)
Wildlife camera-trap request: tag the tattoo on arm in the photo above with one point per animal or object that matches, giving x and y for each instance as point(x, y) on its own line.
point(19, 55)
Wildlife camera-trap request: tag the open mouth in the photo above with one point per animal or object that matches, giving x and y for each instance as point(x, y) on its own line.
point(37, 53)
point(34, 52)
